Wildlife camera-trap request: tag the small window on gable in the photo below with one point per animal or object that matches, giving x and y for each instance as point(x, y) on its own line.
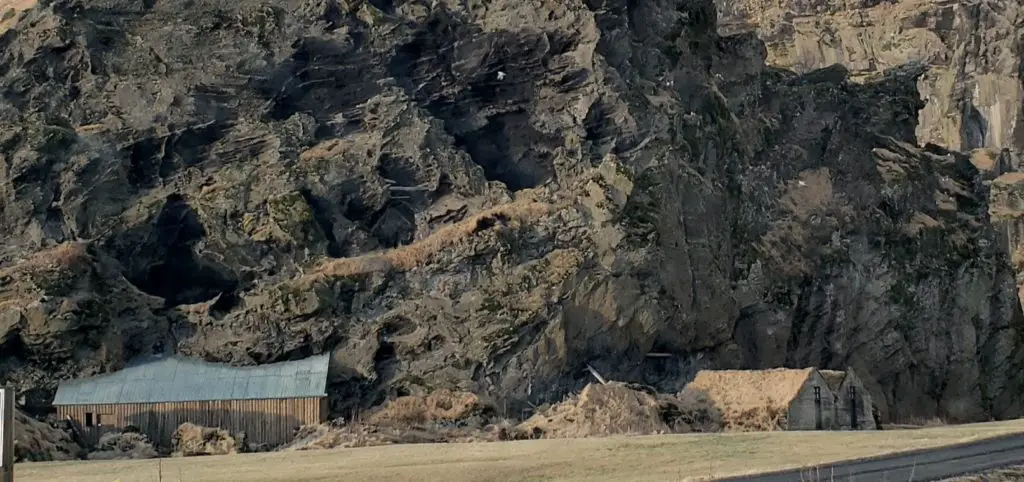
point(88, 419)
point(853, 391)
point(817, 394)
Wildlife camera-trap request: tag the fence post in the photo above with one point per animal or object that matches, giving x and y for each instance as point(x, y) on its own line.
point(6, 435)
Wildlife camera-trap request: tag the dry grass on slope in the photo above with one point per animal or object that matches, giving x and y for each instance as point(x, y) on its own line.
point(61, 256)
point(412, 255)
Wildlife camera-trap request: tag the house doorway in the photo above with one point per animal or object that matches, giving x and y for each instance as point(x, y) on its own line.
point(853, 408)
point(817, 408)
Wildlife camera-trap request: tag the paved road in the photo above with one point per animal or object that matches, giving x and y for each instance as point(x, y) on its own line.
point(917, 466)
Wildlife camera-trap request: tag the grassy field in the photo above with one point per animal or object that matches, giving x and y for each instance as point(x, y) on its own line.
point(653, 458)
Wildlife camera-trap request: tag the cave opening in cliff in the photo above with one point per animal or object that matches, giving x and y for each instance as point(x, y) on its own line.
point(385, 359)
point(385, 353)
point(386, 6)
point(14, 346)
point(323, 219)
point(165, 264)
point(396, 225)
point(397, 170)
point(227, 302)
point(354, 209)
point(510, 151)
point(973, 129)
point(444, 188)
point(181, 279)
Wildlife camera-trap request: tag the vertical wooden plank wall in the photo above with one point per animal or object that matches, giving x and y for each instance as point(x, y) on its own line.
point(269, 421)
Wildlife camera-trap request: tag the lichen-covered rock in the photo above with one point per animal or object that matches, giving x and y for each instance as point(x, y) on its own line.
point(484, 199)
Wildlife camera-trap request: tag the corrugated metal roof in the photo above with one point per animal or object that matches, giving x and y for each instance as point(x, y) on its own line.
point(178, 379)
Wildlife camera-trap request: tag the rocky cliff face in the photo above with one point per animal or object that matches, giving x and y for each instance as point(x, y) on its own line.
point(484, 196)
point(973, 88)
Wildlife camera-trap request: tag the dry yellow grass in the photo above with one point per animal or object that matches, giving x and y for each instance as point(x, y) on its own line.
point(9, 10)
point(654, 458)
point(412, 255)
point(598, 410)
point(61, 256)
point(440, 405)
point(190, 439)
point(751, 399)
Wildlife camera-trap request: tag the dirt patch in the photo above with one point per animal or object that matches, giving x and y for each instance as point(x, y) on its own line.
point(36, 441)
point(618, 408)
point(123, 446)
point(190, 440)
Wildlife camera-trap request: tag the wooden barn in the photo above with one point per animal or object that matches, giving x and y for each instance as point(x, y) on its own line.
point(778, 398)
point(156, 395)
point(853, 402)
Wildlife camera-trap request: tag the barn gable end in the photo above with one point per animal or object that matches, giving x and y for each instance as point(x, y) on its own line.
point(853, 404)
point(813, 407)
